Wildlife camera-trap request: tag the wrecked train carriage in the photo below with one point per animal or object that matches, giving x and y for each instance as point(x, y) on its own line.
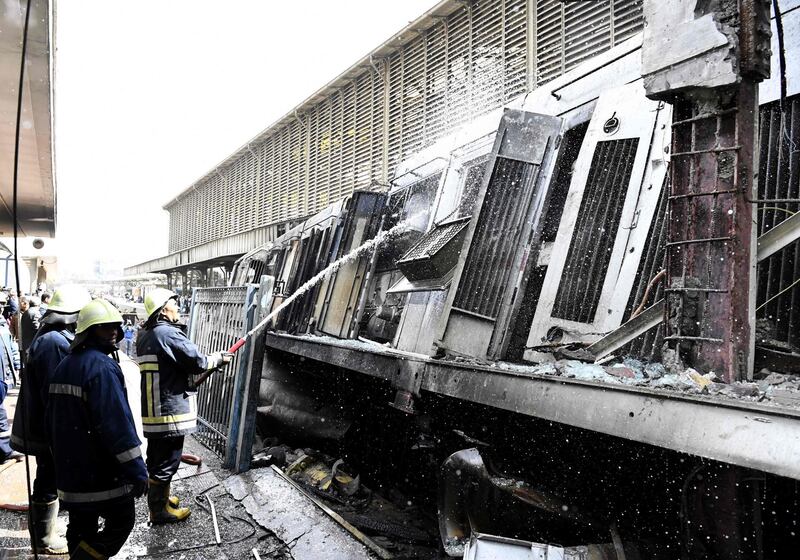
point(536, 228)
point(294, 258)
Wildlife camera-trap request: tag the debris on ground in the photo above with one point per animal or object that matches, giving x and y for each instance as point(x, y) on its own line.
point(390, 523)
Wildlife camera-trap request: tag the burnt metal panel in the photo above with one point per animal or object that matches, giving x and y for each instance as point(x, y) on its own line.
point(595, 256)
point(777, 302)
point(436, 253)
point(313, 257)
point(503, 237)
point(598, 220)
point(497, 235)
point(340, 294)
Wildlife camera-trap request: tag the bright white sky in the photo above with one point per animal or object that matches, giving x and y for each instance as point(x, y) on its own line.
point(151, 94)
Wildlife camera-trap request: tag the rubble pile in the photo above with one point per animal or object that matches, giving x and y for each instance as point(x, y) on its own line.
point(768, 387)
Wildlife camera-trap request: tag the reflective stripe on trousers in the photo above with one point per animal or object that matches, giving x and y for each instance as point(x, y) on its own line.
point(90, 497)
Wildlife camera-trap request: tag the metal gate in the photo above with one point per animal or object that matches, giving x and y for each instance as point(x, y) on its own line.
point(226, 402)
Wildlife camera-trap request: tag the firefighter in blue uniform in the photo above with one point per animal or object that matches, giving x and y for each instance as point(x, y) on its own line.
point(49, 347)
point(169, 363)
point(99, 466)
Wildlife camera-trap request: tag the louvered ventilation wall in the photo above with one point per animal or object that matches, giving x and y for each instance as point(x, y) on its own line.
point(466, 64)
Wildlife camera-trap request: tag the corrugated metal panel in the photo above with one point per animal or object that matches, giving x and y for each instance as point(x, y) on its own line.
point(363, 132)
point(296, 169)
point(348, 131)
point(436, 47)
point(459, 67)
point(321, 147)
point(599, 217)
point(459, 56)
point(488, 267)
point(515, 48)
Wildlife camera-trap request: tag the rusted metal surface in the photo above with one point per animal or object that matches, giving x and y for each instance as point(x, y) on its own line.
point(710, 249)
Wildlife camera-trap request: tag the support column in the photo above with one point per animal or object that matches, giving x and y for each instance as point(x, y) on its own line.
point(707, 59)
point(711, 234)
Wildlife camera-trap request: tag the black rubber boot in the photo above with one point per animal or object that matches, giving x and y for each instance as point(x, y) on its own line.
point(161, 508)
point(43, 517)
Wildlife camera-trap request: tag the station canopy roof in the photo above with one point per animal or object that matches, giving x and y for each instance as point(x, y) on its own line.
point(36, 186)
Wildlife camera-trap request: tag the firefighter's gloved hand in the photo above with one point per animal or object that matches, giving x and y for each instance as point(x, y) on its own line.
point(219, 360)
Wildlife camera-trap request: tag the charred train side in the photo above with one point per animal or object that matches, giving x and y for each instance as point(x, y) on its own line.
point(532, 245)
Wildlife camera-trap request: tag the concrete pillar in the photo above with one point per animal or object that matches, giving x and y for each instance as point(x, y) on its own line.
point(706, 59)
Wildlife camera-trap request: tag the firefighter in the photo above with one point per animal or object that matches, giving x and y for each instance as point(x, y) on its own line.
point(169, 363)
point(99, 466)
point(49, 347)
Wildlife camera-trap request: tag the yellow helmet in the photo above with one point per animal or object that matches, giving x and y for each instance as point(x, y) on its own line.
point(97, 312)
point(69, 299)
point(156, 299)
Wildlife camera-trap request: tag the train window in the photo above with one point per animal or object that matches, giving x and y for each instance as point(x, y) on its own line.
point(419, 202)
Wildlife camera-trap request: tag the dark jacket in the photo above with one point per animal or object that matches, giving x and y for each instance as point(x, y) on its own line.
point(28, 325)
point(169, 363)
point(9, 354)
point(90, 425)
point(50, 346)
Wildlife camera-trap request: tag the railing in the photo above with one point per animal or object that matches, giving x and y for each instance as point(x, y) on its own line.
point(226, 401)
